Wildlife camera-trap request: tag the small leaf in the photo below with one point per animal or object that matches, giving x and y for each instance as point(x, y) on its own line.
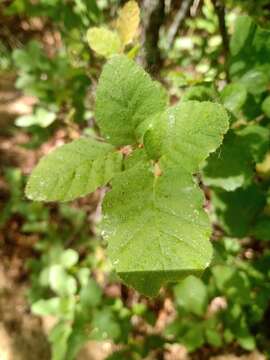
point(69, 258)
point(128, 22)
point(61, 282)
point(191, 294)
point(41, 117)
point(156, 228)
point(103, 41)
point(46, 307)
point(58, 338)
point(187, 133)
point(233, 97)
point(59, 307)
point(213, 337)
point(105, 325)
point(73, 170)
point(194, 337)
point(126, 96)
point(90, 295)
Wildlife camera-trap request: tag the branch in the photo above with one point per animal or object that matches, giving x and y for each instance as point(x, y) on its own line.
point(220, 11)
point(179, 17)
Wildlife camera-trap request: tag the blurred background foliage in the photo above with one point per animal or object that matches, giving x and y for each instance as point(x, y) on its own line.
point(53, 257)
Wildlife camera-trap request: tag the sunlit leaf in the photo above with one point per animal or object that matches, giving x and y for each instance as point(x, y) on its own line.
point(103, 41)
point(128, 22)
point(73, 170)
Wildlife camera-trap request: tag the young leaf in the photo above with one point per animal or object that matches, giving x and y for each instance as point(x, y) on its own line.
point(73, 170)
point(126, 96)
point(156, 228)
point(187, 133)
point(128, 22)
point(61, 282)
point(41, 117)
point(103, 41)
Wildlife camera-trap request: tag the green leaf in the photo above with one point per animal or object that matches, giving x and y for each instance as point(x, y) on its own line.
point(41, 117)
point(237, 210)
point(103, 41)
point(126, 96)
point(104, 325)
point(59, 307)
point(90, 295)
point(256, 140)
point(255, 81)
point(233, 97)
point(69, 258)
point(193, 338)
point(261, 229)
point(266, 106)
point(213, 337)
point(191, 294)
point(244, 28)
point(73, 170)
point(250, 49)
point(200, 93)
point(231, 166)
point(61, 282)
point(58, 338)
point(128, 22)
point(156, 228)
point(187, 133)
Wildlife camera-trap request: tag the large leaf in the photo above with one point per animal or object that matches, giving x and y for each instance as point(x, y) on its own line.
point(156, 228)
point(125, 97)
point(73, 170)
point(187, 133)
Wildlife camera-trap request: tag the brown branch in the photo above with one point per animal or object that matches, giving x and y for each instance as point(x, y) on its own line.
point(220, 11)
point(154, 14)
point(178, 19)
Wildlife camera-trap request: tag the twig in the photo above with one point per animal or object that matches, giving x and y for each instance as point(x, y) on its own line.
point(194, 8)
point(220, 11)
point(179, 17)
point(154, 14)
